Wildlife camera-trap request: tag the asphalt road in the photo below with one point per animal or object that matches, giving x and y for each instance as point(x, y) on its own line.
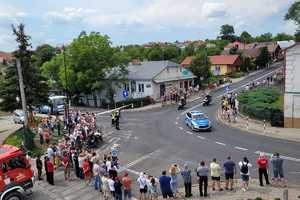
point(162, 138)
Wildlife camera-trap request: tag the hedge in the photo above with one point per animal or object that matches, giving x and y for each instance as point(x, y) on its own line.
point(261, 104)
point(137, 102)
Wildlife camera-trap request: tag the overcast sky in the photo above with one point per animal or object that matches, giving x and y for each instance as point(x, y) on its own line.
point(139, 21)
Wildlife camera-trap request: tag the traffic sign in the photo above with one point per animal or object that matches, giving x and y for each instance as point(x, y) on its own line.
point(125, 94)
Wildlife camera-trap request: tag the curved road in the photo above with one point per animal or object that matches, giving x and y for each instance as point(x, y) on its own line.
point(159, 137)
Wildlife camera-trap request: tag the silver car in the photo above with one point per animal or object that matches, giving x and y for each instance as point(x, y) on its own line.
point(18, 117)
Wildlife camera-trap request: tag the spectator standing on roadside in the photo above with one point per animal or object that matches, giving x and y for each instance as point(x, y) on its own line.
point(215, 172)
point(118, 188)
point(153, 189)
point(263, 165)
point(230, 171)
point(50, 172)
point(165, 186)
point(174, 170)
point(202, 173)
point(245, 173)
point(111, 185)
point(277, 166)
point(127, 186)
point(39, 166)
point(187, 178)
point(142, 185)
point(86, 171)
point(67, 166)
point(97, 177)
point(106, 188)
point(41, 134)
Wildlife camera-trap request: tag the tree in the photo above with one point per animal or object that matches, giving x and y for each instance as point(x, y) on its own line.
point(155, 53)
point(36, 89)
point(200, 66)
point(283, 37)
point(135, 52)
point(263, 58)
point(266, 37)
point(294, 13)
point(43, 54)
point(88, 61)
point(171, 53)
point(227, 32)
point(246, 37)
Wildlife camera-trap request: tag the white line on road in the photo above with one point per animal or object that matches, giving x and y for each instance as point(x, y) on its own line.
point(282, 156)
point(138, 160)
point(189, 132)
point(177, 118)
point(241, 148)
point(180, 128)
point(176, 123)
point(220, 143)
point(200, 137)
point(107, 134)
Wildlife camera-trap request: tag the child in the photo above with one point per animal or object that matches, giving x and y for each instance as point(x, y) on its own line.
point(153, 189)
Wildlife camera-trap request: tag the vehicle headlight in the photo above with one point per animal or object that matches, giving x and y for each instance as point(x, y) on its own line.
point(209, 123)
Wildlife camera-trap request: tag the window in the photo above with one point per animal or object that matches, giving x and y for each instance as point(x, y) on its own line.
point(17, 162)
point(4, 167)
point(148, 86)
point(133, 86)
point(141, 87)
point(189, 115)
point(126, 86)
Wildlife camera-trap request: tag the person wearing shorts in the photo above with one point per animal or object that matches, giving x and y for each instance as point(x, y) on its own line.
point(215, 172)
point(127, 186)
point(230, 170)
point(142, 185)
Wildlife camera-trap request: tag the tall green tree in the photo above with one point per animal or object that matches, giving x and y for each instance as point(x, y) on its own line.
point(297, 36)
point(43, 54)
point(200, 67)
point(227, 32)
point(171, 53)
point(263, 58)
point(36, 88)
point(155, 53)
point(246, 37)
point(294, 13)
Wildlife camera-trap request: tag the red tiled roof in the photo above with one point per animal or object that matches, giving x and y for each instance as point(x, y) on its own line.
point(223, 59)
point(187, 61)
point(6, 56)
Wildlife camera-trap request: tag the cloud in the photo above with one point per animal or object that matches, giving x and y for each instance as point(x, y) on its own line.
point(69, 15)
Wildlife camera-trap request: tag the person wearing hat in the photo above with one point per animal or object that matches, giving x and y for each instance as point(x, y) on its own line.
point(263, 165)
point(127, 186)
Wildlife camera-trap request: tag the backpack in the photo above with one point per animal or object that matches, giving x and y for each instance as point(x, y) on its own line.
point(244, 168)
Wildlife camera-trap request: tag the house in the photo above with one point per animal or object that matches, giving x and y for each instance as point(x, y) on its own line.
point(236, 44)
point(155, 79)
point(249, 53)
point(225, 64)
point(292, 87)
point(187, 62)
point(5, 57)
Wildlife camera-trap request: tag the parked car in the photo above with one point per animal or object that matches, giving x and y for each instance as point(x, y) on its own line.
point(197, 121)
point(43, 109)
point(18, 117)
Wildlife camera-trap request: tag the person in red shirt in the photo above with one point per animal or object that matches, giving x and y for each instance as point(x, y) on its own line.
point(66, 164)
point(127, 186)
point(263, 165)
point(50, 172)
point(86, 171)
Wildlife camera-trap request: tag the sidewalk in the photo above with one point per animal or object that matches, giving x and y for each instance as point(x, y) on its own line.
point(266, 193)
point(257, 127)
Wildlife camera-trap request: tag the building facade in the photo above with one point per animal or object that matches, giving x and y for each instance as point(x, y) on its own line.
point(292, 87)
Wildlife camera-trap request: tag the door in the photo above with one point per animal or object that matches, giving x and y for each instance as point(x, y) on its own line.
point(188, 119)
point(162, 90)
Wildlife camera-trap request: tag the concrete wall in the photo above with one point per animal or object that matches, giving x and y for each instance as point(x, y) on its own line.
point(292, 88)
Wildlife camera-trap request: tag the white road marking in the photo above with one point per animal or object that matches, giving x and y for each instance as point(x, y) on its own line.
point(107, 134)
point(220, 143)
point(177, 118)
point(113, 139)
point(268, 74)
point(189, 132)
point(180, 128)
point(139, 160)
point(176, 123)
point(294, 172)
point(200, 137)
point(241, 148)
point(282, 156)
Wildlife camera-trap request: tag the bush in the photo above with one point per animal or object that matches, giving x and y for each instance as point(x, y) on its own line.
point(261, 104)
point(138, 102)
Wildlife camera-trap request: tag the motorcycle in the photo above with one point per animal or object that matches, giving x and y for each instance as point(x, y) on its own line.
point(181, 104)
point(206, 101)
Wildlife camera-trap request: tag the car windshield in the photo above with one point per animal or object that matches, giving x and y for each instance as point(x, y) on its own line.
point(199, 116)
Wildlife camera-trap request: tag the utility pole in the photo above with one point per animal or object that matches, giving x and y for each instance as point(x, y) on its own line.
point(66, 87)
point(24, 106)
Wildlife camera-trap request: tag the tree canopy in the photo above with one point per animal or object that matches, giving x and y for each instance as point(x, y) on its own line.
point(227, 32)
point(246, 37)
point(263, 58)
point(294, 13)
point(266, 37)
point(200, 66)
point(283, 37)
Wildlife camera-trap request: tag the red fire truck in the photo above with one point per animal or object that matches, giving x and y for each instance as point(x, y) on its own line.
point(16, 175)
